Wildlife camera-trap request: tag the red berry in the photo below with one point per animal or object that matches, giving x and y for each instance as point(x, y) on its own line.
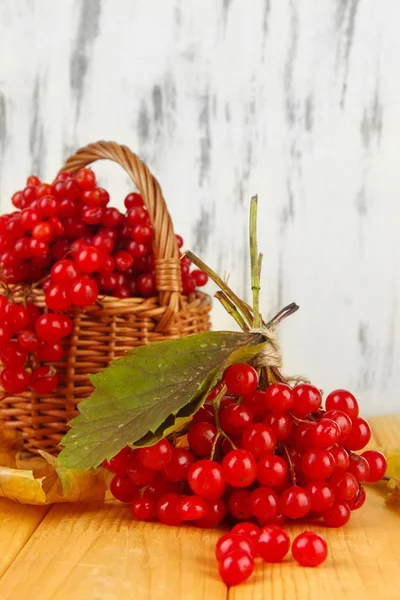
point(264, 504)
point(259, 439)
point(120, 462)
point(230, 542)
point(136, 250)
point(317, 463)
point(64, 272)
point(146, 285)
point(111, 217)
point(340, 457)
point(43, 231)
point(360, 434)
point(168, 509)
point(86, 179)
point(206, 479)
point(84, 292)
point(96, 197)
point(235, 418)
point(342, 420)
point(107, 264)
point(88, 259)
point(5, 336)
point(43, 189)
point(344, 401)
point(344, 485)
point(326, 433)
point(256, 403)
point(48, 206)
point(215, 513)
point(279, 397)
point(239, 505)
point(179, 240)
point(14, 381)
point(68, 207)
point(138, 473)
point(272, 471)
point(377, 465)
point(338, 515)
point(236, 567)
point(201, 437)
point(309, 549)
point(179, 465)
point(13, 356)
point(281, 425)
point(92, 214)
point(248, 530)
point(44, 380)
point(240, 468)
point(200, 278)
point(30, 217)
point(295, 502)
point(142, 233)
point(137, 215)
point(241, 379)
point(132, 200)
point(16, 317)
point(321, 495)
point(123, 260)
point(123, 489)
point(156, 457)
point(103, 243)
point(142, 508)
point(358, 501)
point(58, 298)
point(205, 414)
point(359, 467)
point(307, 399)
point(192, 508)
point(273, 543)
point(50, 328)
point(304, 436)
point(50, 351)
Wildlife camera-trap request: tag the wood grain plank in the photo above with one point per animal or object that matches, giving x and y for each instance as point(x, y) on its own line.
point(363, 562)
point(98, 552)
point(386, 430)
point(17, 524)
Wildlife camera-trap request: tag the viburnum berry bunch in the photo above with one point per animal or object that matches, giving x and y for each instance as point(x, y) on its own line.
point(210, 431)
point(64, 238)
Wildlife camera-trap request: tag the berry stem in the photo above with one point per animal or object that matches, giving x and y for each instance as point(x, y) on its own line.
point(286, 311)
point(291, 466)
point(242, 306)
point(231, 309)
point(255, 260)
point(216, 403)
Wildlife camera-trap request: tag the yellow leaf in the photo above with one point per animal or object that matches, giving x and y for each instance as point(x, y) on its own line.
point(40, 479)
point(393, 471)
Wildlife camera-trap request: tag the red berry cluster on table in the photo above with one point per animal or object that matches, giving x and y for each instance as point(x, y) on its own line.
point(206, 430)
point(65, 239)
point(256, 458)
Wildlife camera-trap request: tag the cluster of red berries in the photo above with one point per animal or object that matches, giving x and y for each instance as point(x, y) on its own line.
point(235, 551)
point(257, 454)
point(28, 338)
point(65, 238)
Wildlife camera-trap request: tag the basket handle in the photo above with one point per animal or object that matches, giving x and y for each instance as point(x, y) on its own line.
point(167, 266)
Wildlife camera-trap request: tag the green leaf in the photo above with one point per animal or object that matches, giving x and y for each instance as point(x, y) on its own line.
point(150, 393)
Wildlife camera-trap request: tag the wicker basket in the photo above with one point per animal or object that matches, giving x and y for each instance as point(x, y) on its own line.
point(107, 329)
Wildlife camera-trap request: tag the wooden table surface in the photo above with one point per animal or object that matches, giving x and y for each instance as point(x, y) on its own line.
point(97, 552)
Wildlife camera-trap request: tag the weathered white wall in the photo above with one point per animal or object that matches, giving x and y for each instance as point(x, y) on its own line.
point(297, 100)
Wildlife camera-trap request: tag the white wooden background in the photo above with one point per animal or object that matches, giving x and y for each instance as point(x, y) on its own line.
point(296, 100)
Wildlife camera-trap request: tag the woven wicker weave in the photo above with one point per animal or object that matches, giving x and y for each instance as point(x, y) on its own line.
point(107, 329)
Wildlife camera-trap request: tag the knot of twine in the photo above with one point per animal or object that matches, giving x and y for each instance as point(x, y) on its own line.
point(270, 355)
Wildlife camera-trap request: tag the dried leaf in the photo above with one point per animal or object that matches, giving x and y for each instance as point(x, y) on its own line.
point(151, 392)
point(393, 471)
point(46, 481)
